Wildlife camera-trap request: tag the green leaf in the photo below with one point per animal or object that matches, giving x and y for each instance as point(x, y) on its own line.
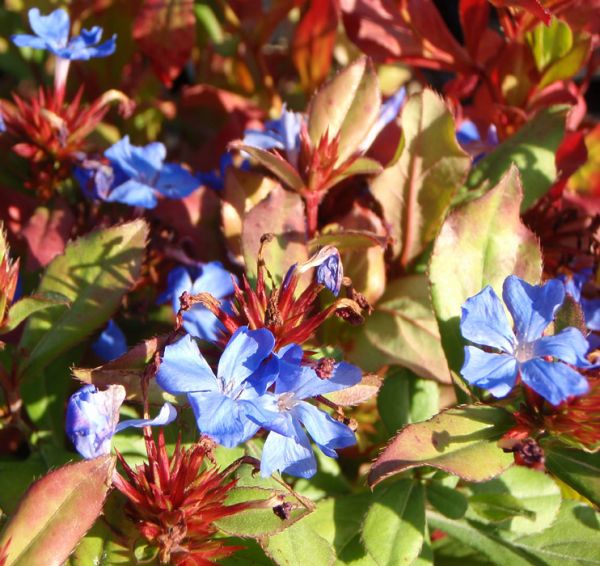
point(260, 520)
point(360, 166)
point(299, 545)
point(348, 241)
point(550, 43)
point(406, 398)
point(347, 105)
point(570, 313)
point(578, 469)
point(275, 164)
point(573, 538)
point(281, 213)
point(100, 548)
point(15, 478)
point(416, 191)
point(521, 500)
point(27, 306)
point(532, 150)
point(481, 243)
point(448, 501)
point(567, 66)
point(394, 527)
point(460, 441)
point(56, 512)
point(94, 273)
point(403, 327)
point(480, 538)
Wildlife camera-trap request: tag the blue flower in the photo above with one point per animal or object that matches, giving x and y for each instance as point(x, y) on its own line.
point(138, 175)
point(525, 351)
point(283, 134)
point(220, 402)
point(93, 418)
point(469, 138)
point(591, 307)
point(285, 412)
point(52, 33)
point(331, 272)
point(211, 278)
point(111, 343)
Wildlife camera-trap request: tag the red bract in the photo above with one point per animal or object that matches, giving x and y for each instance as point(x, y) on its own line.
point(291, 317)
point(51, 136)
point(175, 500)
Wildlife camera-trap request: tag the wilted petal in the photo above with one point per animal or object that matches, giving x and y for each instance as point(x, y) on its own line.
point(483, 321)
point(166, 415)
point(292, 455)
point(92, 417)
point(111, 343)
point(183, 369)
point(222, 418)
point(244, 353)
point(554, 381)
point(495, 373)
point(331, 272)
point(325, 431)
point(532, 306)
point(569, 345)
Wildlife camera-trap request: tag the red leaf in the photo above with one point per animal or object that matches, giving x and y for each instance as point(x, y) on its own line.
point(412, 31)
point(46, 234)
point(165, 31)
point(312, 47)
point(474, 19)
point(532, 6)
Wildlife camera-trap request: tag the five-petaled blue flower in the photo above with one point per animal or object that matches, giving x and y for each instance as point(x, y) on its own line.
point(285, 411)
point(220, 402)
point(93, 419)
point(211, 278)
point(52, 33)
point(541, 361)
point(140, 175)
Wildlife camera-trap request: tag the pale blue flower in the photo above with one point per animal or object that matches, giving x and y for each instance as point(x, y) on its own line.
point(52, 34)
point(524, 352)
point(220, 402)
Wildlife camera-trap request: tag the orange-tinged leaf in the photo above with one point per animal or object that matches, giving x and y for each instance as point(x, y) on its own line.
point(460, 441)
point(165, 31)
point(532, 6)
point(312, 47)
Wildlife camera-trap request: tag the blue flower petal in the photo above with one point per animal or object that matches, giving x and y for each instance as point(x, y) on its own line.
point(215, 279)
point(222, 418)
point(569, 345)
point(554, 381)
point(184, 369)
point(201, 323)
point(27, 40)
point(244, 353)
point(178, 281)
point(134, 193)
point(111, 343)
point(292, 455)
point(166, 415)
point(483, 321)
point(532, 306)
point(262, 140)
point(176, 182)
point(467, 133)
point(497, 373)
point(591, 311)
point(331, 273)
point(54, 28)
point(305, 383)
point(325, 431)
point(264, 411)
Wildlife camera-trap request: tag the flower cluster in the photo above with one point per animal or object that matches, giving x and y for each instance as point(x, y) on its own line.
point(255, 387)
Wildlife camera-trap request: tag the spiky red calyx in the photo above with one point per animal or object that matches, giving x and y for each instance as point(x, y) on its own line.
point(174, 502)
